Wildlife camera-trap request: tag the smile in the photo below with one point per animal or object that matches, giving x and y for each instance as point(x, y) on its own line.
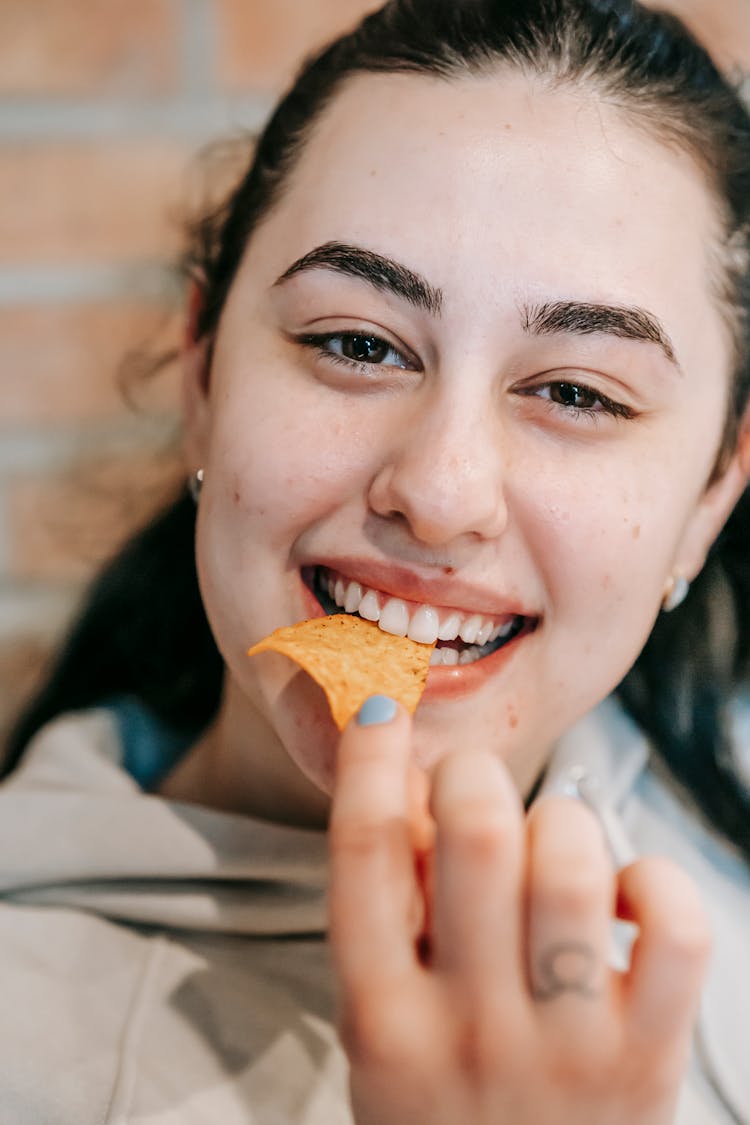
point(460, 638)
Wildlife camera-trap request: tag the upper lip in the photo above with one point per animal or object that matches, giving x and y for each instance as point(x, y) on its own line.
point(440, 592)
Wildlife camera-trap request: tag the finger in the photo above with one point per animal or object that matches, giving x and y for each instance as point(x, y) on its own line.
point(423, 843)
point(422, 824)
point(671, 953)
point(571, 901)
point(478, 867)
point(373, 891)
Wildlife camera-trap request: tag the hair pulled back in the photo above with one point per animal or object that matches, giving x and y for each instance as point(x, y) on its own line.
point(647, 65)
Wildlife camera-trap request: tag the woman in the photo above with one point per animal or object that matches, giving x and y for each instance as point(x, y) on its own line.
point(468, 352)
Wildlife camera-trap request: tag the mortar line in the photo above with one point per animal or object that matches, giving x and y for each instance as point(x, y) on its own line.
point(199, 115)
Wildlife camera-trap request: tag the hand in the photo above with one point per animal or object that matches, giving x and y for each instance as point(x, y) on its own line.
point(513, 1016)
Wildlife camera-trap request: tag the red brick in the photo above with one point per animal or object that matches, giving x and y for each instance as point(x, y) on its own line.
point(62, 527)
point(86, 202)
point(22, 664)
point(84, 47)
point(261, 44)
point(62, 363)
point(723, 26)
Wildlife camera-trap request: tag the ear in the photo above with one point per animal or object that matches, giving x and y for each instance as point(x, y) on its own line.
point(714, 509)
point(196, 398)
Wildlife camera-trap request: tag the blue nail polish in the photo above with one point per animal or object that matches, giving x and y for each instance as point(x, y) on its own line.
point(377, 709)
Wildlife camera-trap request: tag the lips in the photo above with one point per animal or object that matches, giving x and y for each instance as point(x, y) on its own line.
point(462, 637)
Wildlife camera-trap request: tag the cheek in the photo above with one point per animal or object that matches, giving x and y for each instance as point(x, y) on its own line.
point(606, 535)
point(287, 462)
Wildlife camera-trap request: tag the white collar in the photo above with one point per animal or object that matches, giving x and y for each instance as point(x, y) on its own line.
point(606, 746)
point(599, 760)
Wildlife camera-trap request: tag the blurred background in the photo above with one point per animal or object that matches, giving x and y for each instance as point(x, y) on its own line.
point(103, 107)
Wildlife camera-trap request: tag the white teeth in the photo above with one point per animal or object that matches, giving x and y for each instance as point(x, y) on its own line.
point(448, 631)
point(423, 626)
point(353, 597)
point(470, 628)
point(484, 633)
point(369, 607)
point(503, 630)
point(394, 617)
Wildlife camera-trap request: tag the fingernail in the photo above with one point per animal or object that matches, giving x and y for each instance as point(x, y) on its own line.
point(377, 709)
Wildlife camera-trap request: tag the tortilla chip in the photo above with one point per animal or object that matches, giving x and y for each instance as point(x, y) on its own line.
point(353, 659)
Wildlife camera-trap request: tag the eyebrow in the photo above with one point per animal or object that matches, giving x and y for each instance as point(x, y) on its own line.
point(382, 273)
point(580, 318)
point(585, 319)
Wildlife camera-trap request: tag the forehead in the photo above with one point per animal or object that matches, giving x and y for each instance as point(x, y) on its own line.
point(500, 188)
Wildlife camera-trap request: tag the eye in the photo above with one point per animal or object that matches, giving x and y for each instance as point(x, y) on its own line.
point(577, 398)
point(356, 349)
point(573, 395)
point(365, 349)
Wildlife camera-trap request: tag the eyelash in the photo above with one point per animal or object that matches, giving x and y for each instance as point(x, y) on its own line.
point(606, 405)
point(320, 342)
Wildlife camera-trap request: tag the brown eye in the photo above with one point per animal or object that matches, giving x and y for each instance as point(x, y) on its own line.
point(568, 394)
point(577, 401)
point(363, 352)
point(364, 349)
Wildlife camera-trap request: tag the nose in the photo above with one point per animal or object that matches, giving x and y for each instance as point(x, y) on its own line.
point(444, 475)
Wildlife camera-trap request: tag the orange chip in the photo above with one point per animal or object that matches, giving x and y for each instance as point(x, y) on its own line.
point(353, 659)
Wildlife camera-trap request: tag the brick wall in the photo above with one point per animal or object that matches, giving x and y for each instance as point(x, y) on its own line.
point(723, 25)
point(103, 103)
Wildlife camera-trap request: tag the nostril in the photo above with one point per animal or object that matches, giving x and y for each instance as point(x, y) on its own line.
point(440, 504)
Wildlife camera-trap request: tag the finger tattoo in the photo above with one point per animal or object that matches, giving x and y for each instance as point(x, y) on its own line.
point(566, 966)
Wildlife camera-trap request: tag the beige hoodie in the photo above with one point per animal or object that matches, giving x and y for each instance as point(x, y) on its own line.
point(163, 964)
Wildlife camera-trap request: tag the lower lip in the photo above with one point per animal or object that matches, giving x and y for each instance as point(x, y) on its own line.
point(444, 681)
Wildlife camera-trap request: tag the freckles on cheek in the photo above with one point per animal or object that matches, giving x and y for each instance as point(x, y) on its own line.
point(596, 568)
point(601, 529)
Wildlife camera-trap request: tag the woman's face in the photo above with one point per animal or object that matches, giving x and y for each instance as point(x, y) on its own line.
point(500, 395)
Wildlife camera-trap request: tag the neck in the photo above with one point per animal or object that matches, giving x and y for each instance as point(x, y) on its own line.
point(239, 765)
